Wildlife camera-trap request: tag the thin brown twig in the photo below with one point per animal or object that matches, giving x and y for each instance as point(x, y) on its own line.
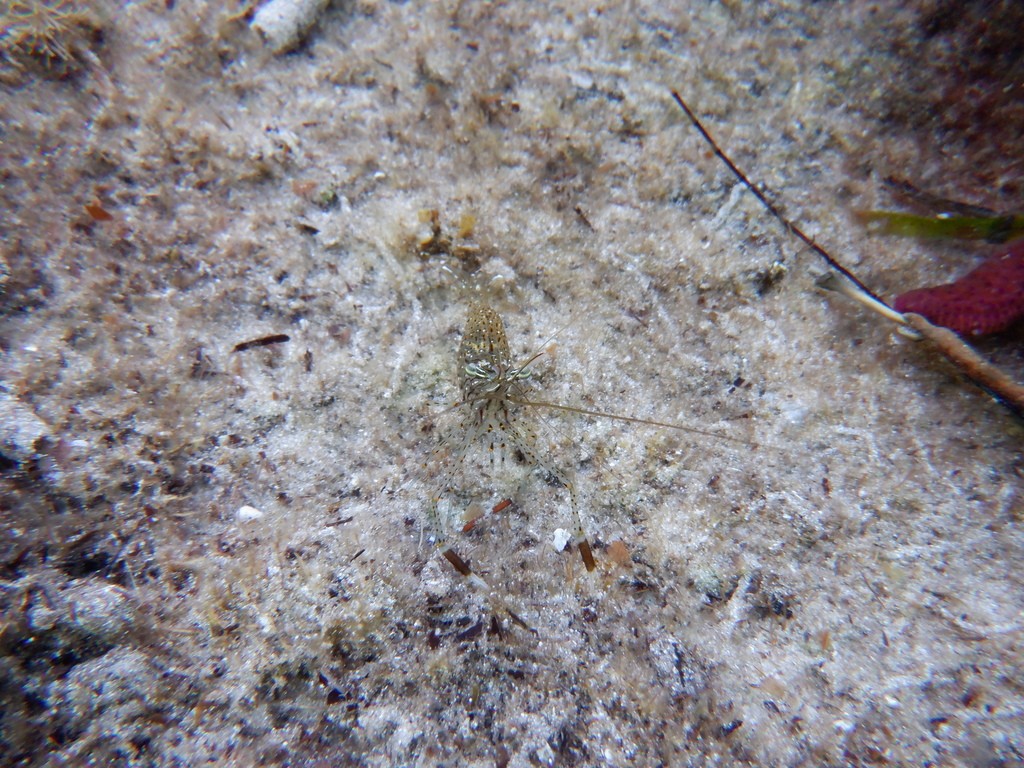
point(989, 377)
point(763, 197)
point(984, 374)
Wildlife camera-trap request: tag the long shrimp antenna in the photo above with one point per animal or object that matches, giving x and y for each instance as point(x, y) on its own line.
point(629, 419)
point(787, 223)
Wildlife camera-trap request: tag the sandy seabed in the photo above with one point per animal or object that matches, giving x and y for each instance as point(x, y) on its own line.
point(220, 556)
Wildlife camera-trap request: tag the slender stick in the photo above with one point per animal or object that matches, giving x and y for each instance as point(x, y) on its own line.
point(789, 225)
point(971, 364)
point(981, 372)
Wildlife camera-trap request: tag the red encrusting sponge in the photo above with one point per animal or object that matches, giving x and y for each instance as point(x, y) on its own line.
point(986, 300)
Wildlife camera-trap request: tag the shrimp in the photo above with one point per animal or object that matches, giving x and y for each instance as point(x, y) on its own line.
point(493, 387)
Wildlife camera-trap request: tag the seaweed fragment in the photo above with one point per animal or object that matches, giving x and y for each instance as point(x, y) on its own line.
point(988, 299)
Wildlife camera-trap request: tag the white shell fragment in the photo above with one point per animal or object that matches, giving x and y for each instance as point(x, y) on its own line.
point(560, 538)
point(21, 428)
point(283, 23)
point(247, 514)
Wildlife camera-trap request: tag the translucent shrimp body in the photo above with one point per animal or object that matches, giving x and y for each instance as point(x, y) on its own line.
point(492, 386)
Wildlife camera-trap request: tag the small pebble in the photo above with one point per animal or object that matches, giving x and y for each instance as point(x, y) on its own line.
point(284, 23)
point(560, 539)
point(247, 514)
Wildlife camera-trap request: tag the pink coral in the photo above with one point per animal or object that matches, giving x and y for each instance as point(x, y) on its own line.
point(986, 300)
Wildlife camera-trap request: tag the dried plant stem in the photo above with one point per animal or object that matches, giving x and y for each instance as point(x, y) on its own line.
point(773, 209)
point(831, 282)
point(983, 373)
